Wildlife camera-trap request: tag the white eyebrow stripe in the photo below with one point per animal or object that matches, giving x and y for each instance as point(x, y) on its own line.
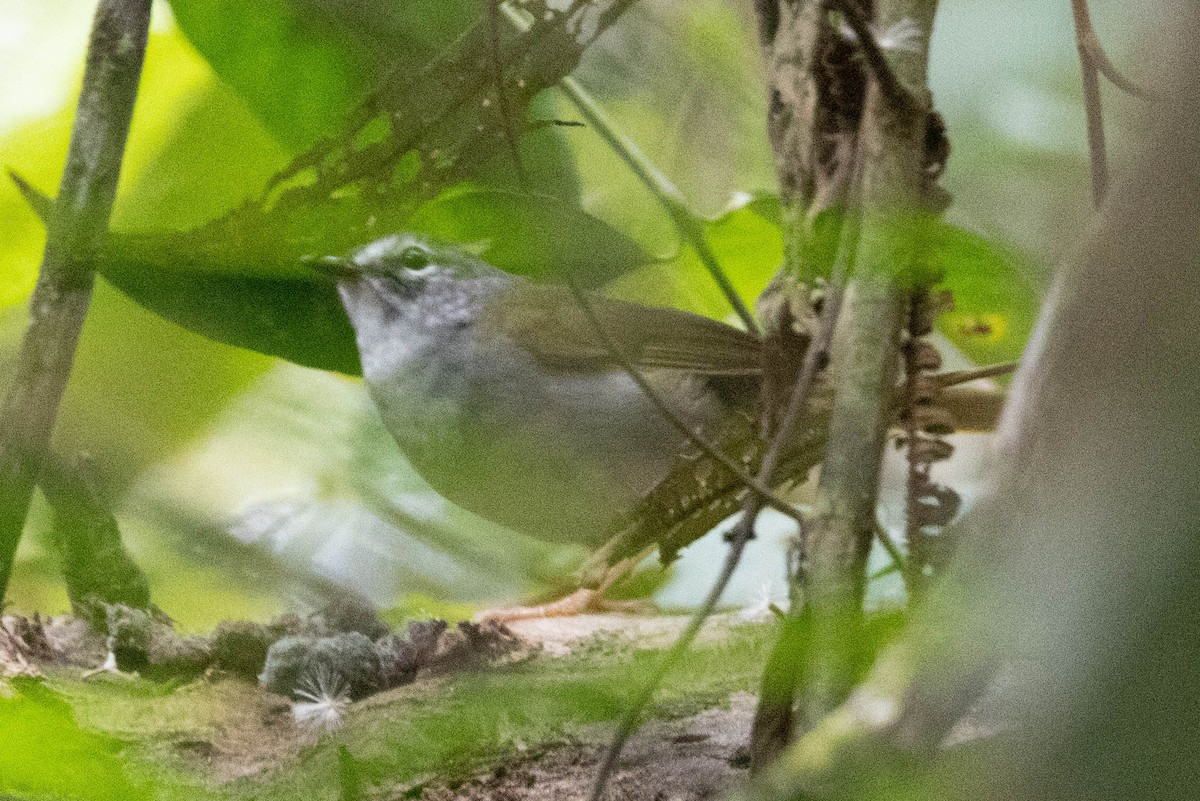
point(376, 250)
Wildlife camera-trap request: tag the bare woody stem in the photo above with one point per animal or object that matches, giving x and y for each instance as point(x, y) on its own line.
point(75, 235)
point(1091, 100)
point(694, 435)
point(838, 540)
point(739, 537)
point(1095, 62)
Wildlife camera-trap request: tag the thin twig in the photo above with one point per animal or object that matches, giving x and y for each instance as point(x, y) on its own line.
point(893, 550)
point(697, 438)
point(690, 227)
point(774, 713)
point(1091, 100)
point(628, 722)
point(738, 538)
point(74, 239)
point(1089, 41)
point(884, 571)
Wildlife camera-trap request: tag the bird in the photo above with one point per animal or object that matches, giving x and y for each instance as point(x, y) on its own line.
point(515, 401)
point(508, 402)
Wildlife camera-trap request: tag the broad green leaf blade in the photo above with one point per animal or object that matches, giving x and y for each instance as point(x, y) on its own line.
point(532, 235)
point(303, 66)
point(297, 319)
point(280, 307)
point(995, 304)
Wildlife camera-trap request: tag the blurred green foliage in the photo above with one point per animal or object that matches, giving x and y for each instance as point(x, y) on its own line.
point(303, 67)
point(46, 755)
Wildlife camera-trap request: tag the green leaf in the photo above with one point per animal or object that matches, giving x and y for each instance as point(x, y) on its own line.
point(282, 308)
point(303, 66)
point(294, 318)
point(748, 243)
point(995, 305)
point(532, 235)
point(47, 755)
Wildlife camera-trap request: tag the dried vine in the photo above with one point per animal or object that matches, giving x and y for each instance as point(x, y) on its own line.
point(930, 506)
point(1094, 62)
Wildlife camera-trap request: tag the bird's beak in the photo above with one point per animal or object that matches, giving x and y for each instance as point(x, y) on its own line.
point(334, 267)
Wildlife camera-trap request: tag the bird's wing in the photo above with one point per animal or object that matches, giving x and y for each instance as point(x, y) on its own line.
point(551, 323)
point(699, 492)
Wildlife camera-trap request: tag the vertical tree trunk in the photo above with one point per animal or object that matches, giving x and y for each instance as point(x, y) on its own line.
point(842, 138)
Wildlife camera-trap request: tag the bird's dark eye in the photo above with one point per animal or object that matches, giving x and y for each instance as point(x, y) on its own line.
point(414, 257)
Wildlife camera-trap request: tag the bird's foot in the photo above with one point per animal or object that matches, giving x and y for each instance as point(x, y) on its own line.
point(583, 601)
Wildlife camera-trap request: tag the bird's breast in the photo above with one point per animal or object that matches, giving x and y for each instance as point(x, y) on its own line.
point(557, 454)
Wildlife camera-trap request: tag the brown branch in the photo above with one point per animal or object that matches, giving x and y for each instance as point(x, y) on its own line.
point(773, 716)
point(892, 143)
point(1084, 34)
point(74, 239)
point(1089, 41)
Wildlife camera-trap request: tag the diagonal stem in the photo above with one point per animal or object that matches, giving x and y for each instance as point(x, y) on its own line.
point(743, 531)
point(75, 234)
point(1092, 103)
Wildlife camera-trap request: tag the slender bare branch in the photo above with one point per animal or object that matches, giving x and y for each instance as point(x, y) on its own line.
point(689, 226)
point(1089, 42)
point(892, 144)
point(893, 552)
point(738, 537)
point(814, 359)
point(1092, 102)
point(74, 239)
point(773, 716)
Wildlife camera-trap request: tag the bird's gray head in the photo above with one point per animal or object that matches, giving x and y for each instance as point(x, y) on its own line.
point(406, 281)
